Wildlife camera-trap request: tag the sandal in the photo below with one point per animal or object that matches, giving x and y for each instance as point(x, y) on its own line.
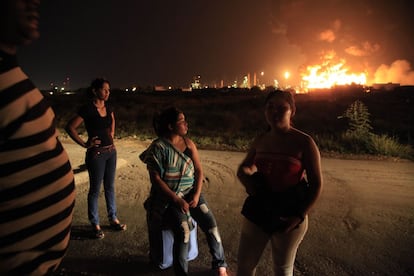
point(98, 233)
point(117, 226)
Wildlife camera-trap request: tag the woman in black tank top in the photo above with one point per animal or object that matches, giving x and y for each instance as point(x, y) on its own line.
point(101, 156)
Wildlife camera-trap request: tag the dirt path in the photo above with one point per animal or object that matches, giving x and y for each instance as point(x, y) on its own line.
point(363, 223)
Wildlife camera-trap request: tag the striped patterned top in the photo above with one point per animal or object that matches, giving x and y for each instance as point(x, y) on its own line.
point(174, 167)
point(37, 190)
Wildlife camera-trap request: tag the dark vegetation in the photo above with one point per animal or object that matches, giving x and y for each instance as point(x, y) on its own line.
point(229, 119)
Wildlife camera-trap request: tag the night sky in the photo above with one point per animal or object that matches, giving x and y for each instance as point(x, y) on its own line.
point(165, 42)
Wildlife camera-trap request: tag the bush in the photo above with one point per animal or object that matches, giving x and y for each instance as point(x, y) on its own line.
point(330, 143)
point(384, 145)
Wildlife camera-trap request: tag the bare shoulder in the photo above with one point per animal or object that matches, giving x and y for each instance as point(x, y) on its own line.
point(302, 137)
point(190, 143)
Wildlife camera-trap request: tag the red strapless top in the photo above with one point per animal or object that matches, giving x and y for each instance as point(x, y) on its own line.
point(280, 171)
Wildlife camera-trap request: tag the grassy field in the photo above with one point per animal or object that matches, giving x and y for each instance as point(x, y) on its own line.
point(230, 119)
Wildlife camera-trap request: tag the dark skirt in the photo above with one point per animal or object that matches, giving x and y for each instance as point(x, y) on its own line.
point(266, 208)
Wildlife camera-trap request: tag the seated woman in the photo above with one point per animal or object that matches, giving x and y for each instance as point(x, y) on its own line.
point(177, 177)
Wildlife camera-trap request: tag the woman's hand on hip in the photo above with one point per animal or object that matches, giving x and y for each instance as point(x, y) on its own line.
point(93, 142)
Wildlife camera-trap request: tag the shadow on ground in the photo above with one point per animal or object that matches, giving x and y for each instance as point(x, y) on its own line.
point(80, 168)
point(107, 265)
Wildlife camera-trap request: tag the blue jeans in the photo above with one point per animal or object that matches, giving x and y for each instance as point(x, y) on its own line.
point(179, 224)
point(101, 166)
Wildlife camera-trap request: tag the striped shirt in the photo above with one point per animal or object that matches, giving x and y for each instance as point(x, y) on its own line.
point(174, 167)
point(37, 190)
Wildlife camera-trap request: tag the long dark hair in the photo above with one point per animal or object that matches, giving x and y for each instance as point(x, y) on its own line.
point(163, 119)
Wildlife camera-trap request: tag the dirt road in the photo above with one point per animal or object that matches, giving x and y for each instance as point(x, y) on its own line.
point(363, 223)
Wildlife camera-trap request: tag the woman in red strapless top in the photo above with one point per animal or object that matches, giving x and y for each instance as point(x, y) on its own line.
point(277, 164)
point(280, 171)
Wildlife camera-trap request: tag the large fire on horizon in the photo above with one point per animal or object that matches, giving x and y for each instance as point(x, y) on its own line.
point(329, 74)
point(343, 43)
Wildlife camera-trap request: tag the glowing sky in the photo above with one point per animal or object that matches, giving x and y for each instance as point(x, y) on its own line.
point(160, 42)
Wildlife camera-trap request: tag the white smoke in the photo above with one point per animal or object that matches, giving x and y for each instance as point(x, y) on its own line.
point(399, 71)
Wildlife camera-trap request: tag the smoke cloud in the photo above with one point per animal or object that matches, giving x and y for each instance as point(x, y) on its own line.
point(399, 71)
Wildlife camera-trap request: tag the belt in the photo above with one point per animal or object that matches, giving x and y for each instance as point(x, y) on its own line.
point(103, 149)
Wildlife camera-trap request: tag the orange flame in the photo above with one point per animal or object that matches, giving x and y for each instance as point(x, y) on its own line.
point(328, 76)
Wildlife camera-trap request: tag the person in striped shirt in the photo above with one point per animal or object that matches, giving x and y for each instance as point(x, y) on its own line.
point(37, 189)
point(176, 195)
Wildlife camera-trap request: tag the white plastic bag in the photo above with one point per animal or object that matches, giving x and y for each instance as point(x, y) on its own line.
point(168, 241)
